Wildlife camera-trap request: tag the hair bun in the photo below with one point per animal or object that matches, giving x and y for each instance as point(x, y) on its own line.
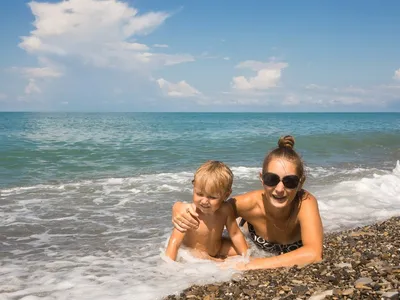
point(286, 141)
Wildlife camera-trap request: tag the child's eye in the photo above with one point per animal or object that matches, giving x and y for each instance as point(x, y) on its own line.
point(213, 197)
point(200, 194)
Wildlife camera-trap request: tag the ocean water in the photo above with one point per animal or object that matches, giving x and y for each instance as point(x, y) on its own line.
point(86, 198)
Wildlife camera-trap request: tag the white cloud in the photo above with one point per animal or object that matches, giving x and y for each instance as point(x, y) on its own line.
point(389, 87)
point(268, 75)
point(141, 25)
point(160, 46)
point(258, 65)
point(337, 90)
point(40, 72)
point(32, 44)
point(323, 96)
point(170, 60)
point(226, 58)
point(99, 32)
point(313, 86)
point(134, 46)
point(313, 97)
point(179, 90)
point(291, 100)
point(347, 100)
point(32, 88)
point(47, 70)
point(351, 90)
point(397, 74)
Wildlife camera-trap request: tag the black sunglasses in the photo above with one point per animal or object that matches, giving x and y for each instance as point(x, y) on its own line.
point(289, 181)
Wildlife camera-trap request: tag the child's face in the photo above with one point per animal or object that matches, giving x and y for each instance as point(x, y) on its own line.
point(207, 203)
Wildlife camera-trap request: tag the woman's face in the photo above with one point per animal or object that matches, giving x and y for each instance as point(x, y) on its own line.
point(279, 195)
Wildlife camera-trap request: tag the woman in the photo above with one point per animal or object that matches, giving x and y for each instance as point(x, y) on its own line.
point(281, 218)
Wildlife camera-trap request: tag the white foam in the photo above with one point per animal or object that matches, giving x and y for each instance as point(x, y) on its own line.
point(142, 184)
point(98, 201)
point(246, 173)
point(318, 172)
point(358, 202)
point(123, 202)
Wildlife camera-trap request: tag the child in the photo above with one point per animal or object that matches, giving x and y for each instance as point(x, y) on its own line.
point(212, 185)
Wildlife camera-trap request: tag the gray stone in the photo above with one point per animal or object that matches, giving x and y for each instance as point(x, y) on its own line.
point(237, 277)
point(321, 296)
point(391, 295)
point(363, 281)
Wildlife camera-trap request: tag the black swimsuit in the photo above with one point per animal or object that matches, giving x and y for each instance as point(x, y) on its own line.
point(268, 246)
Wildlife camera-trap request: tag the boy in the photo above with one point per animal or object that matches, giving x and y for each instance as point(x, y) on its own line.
point(212, 185)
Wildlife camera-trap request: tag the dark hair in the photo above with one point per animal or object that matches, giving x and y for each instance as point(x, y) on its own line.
point(285, 150)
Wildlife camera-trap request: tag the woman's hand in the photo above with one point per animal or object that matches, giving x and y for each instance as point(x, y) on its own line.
point(184, 216)
point(241, 266)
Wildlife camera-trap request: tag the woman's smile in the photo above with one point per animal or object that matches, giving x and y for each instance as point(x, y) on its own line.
point(279, 198)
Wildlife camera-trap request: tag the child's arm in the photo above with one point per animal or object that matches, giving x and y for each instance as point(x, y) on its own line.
point(174, 243)
point(236, 235)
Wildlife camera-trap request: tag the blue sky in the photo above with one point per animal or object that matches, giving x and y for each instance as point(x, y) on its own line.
point(192, 55)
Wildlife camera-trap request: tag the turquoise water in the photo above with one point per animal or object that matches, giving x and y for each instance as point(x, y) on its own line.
point(42, 147)
point(86, 197)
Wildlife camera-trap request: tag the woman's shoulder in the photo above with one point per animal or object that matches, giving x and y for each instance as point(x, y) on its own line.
point(247, 201)
point(308, 203)
point(305, 195)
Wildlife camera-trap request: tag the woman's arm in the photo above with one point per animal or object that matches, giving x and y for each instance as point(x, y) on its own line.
point(311, 235)
point(184, 216)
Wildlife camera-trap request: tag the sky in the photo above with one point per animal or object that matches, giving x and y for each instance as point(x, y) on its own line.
point(200, 56)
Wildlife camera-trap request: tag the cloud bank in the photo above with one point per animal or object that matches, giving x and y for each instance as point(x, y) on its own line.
point(177, 90)
point(268, 75)
point(100, 33)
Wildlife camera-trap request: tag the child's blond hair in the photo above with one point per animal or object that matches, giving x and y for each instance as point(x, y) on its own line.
point(214, 178)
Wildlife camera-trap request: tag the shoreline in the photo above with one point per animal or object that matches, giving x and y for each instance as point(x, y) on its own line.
point(360, 263)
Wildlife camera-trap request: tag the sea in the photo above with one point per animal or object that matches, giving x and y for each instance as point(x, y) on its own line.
point(86, 198)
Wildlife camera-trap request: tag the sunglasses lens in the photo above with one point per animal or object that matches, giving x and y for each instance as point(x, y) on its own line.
point(291, 181)
point(271, 179)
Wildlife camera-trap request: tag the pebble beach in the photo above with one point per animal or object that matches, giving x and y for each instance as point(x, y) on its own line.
point(362, 263)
